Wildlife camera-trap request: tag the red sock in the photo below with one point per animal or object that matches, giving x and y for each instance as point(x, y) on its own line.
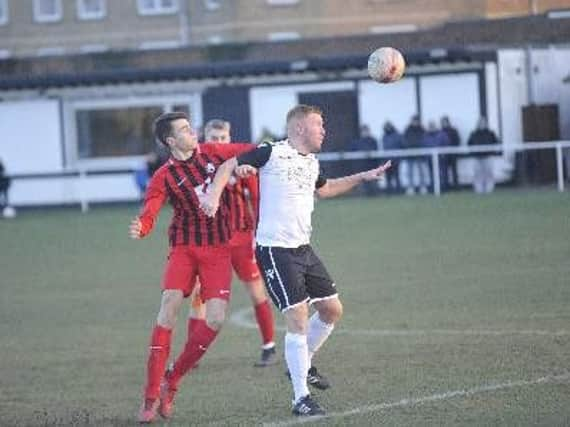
point(158, 355)
point(264, 316)
point(194, 349)
point(193, 323)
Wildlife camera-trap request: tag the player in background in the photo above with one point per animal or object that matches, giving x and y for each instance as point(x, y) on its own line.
point(243, 201)
point(199, 248)
point(289, 178)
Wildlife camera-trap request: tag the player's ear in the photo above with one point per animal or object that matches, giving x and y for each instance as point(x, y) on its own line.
point(169, 141)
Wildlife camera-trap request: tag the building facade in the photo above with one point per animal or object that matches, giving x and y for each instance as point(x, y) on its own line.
point(61, 27)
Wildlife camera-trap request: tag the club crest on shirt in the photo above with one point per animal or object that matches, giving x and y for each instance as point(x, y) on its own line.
point(301, 177)
point(210, 168)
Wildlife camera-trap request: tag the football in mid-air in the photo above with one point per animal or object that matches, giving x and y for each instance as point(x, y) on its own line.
point(386, 65)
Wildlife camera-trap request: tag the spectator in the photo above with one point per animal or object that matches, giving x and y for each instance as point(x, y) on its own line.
point(450, 159)
point(435, 138)
point(392, 140)
point(417, 167)
point(483, 179)
point(366, 142)
point(4, 187)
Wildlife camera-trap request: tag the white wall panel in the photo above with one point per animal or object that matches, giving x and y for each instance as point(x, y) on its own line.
point(30, 136)
point(453, 95)
point(378, 103)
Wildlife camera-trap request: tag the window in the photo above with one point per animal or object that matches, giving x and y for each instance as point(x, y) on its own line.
point(157, 7)
point(3, 12)
point(212, 5)
point(91, 9)
point(47, 10)
point(283, 36)
point(282, 2)
point(51, 51)
point(93, 48)
point(159, 44)
point(116, 132)
point(215, 39)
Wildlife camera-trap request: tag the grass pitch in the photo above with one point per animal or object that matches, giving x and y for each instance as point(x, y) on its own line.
point(456, 313)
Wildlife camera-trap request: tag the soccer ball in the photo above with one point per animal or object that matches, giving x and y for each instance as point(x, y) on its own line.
point(386, 65)
point(9, 212)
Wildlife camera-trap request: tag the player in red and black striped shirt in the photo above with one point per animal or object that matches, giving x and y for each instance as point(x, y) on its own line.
point(241, 202)
point(199, 248)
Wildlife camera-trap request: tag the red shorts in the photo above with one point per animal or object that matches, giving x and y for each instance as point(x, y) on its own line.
point(210, 264)
point(243, 256)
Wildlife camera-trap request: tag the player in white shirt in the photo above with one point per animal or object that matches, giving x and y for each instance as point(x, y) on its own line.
point(289, 177)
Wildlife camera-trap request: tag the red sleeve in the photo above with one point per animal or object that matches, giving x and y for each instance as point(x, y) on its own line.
point(154, 198)
point(227, 151)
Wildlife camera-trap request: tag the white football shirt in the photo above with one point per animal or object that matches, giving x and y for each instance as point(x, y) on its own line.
point(287, 183)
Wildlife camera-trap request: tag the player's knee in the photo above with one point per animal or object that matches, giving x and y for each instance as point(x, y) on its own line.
point(171, 301)
point(215, 313)
point(331, 311)
point(215, 320)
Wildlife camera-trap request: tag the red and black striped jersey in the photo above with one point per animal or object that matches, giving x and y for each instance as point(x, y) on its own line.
point(243, 201)
point(182, 183)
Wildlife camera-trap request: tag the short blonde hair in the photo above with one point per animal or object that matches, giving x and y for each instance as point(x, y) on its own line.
point(301, 111)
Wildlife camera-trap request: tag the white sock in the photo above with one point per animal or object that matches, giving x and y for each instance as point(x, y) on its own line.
point(297, 358)
point(319, 331)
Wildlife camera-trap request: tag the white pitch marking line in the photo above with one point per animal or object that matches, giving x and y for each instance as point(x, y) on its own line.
point(242, 317)
point(425, 399)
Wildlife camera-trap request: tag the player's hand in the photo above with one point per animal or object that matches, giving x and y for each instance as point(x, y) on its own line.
point(209, 204)
point(243, 171)
point(135, 229)
point(376, 173)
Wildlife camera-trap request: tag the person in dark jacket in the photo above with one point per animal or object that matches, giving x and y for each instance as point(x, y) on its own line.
point(4, 186)
point(450, 159)
point(437, 138)
point(366, 142)
point(392, 140)
point(417, 166)
point(483, 178)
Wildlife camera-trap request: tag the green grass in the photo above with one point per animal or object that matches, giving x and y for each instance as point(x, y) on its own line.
point(440, 295)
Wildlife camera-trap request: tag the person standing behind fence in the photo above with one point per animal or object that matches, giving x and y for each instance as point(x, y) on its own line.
point(436, 138)
point(417, 166)
point(392, 140)
point(366, 142)
point(4, 187)
point(483, 177)
point(451, 159)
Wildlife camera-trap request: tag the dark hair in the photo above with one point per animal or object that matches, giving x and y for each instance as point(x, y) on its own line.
point(162, 127)
point(303, 110)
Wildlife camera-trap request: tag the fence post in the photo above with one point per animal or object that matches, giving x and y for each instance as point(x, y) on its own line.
point(82, 193)
point(559, 168)
point(435, 172)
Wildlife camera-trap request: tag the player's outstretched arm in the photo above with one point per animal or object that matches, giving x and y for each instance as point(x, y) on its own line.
point(338, 186)
point(211, 201)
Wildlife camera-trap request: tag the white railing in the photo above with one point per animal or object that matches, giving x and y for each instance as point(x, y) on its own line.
point(85, 186)
point(434, 154)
